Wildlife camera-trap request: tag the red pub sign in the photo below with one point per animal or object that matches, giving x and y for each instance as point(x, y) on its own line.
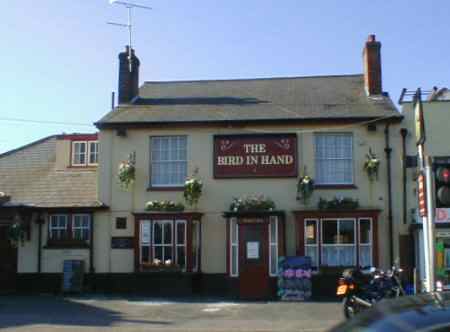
point(259, 155)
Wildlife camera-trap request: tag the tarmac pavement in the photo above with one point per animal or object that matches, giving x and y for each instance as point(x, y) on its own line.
point(107, 313)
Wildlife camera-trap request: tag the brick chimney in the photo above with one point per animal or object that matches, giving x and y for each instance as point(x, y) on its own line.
point(128, 80)
point(372, 66)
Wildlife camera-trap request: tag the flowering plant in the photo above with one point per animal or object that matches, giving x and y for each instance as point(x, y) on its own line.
point(192, 191)
point(127, 172)
point(305, 188)
point(16, 233)
point(167, 206)
point(338, 203)
point(252, 203)
point(371, 166)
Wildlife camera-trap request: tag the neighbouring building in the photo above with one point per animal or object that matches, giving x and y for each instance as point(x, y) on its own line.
point(246, 137)
point(49, 191)
point(436, 111)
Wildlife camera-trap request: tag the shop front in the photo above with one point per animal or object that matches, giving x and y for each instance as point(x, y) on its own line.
point(255, 240)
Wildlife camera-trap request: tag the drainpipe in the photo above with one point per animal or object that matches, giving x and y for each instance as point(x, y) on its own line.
point(91, 247)
point(388, 151)
point(39, 252)
point(403, 133)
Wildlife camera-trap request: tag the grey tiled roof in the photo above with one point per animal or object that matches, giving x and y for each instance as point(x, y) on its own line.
point(30, 177)
point(297, 98)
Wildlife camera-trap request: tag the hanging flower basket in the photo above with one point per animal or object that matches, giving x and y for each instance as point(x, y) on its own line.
point(305, 188)
point(371, 166)
point(192, 191)
point(16, 234)
point(252, 203)
point(126, 173)
point(164, 206)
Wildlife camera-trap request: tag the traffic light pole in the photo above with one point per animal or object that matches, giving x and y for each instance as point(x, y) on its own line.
point(431, 280)
point(426, 247)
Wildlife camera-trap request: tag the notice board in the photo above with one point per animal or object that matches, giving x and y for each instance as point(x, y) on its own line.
point(73, 275)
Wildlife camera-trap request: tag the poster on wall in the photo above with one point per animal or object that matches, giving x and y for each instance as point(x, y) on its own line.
point(255, 155)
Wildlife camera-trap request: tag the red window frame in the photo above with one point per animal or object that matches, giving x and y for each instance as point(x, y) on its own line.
point(321, 216)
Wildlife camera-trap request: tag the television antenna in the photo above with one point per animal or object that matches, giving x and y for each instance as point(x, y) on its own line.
point(128, 25)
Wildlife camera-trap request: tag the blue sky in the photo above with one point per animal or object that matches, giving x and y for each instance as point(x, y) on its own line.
point(58, 60)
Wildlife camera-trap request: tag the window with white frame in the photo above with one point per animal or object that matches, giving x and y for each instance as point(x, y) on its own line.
point(81, 225)
point(334, 159)
point(311, 241)
point(365, 242)
point(162, 241)
point(180, 244)
point(273, 246)
point(93, 152)
point(69, 227)
point(168, 155)
point(338, 242)
point(79, 150)
point(234, 248)
point(84, 153)
point(58, 227)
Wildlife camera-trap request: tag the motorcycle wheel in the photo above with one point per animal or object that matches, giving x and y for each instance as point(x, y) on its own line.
point(349, 306)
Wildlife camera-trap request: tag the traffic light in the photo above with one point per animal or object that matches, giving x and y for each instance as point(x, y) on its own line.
point(443, 186)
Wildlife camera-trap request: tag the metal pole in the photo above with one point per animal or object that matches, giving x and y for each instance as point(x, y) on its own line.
point(129, 39)
point(426, 247)
point(430, 224)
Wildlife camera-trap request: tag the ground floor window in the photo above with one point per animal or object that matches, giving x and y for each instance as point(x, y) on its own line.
point(165, 243)
point(337, 240)
point(69, 227)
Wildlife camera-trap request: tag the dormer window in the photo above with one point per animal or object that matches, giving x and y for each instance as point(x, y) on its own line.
point(84, 153)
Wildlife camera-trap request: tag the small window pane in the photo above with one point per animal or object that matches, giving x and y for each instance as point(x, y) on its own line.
point(329, 231)
point(273, 260)
point(234, 260)
point(145, 254)
point(93, 152)
point(273, 231)
point(168, 233)
point(159, 253)
point(168, 253)
point(364, 231)
point(158, 233)
point(181, 257)
point(311, 232)
point(234, 230)
point(181, 232)
point(346, 256)
point(311, 251)
point(347, 231)
point(365, 255)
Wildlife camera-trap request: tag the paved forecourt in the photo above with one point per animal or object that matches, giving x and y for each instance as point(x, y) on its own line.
point(105, 313)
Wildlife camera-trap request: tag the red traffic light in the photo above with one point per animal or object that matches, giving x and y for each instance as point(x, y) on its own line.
point(443, 175)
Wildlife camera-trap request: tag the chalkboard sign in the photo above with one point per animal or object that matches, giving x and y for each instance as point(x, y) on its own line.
point(73, 274)
point(122, 243)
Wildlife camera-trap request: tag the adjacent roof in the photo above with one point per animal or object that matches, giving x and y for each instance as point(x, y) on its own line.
point(30, 176)
point(252, 100)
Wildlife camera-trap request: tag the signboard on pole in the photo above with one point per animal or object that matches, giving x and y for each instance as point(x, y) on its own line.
point(422, 195)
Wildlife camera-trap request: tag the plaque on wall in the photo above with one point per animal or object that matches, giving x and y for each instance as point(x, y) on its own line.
point(122, 242)
point(252, 250)
point(255, 155)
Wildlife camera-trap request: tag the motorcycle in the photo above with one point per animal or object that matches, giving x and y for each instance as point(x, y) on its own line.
point(360, 289)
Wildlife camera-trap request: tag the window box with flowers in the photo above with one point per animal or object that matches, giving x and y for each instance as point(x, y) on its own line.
point(252, 203)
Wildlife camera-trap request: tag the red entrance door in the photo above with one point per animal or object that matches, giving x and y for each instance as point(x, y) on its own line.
point(8, 261)
point(253, 261)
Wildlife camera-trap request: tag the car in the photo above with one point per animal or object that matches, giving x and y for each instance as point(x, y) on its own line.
point(428, 312)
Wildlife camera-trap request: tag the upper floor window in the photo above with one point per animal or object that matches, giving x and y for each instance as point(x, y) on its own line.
point(334, 159)
point(168, 161)
point(84, 153)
